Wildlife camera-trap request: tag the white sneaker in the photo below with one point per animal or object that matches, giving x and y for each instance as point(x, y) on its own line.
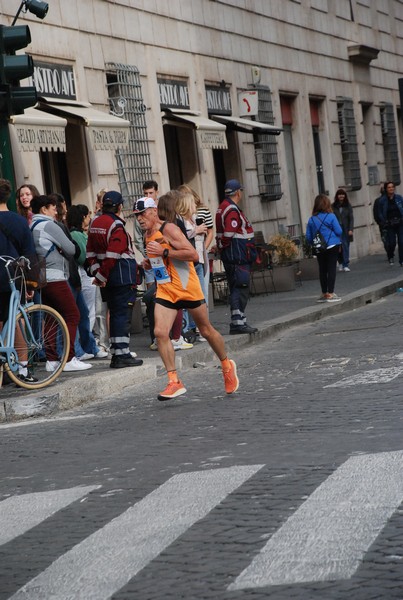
point(181, 344)
point(51, 365)
point(76, 365)
point(85, 356)
point(341, 268)
point(100, 354)
point(346, 270)
point(154, 345)
point(333, 298)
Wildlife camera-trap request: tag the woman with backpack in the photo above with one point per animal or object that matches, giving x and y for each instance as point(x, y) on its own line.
point(324, 224)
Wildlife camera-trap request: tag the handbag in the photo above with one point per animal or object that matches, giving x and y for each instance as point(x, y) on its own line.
point(35, 274)
point(319, 243)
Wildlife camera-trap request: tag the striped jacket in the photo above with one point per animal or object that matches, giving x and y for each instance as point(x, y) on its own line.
point(234, 234)
point(109, 251)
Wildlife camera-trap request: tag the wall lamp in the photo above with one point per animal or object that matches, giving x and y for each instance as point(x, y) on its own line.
point(36, 7)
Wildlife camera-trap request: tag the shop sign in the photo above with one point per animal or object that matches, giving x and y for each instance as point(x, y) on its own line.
point(109, 138)
point(54, 80)
point(218, 100)
point(33, 138)
point(210, 139)
point(248, 103)
point(173, 94)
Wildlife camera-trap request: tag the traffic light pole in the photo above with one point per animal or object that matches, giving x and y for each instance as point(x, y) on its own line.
point(6, 160)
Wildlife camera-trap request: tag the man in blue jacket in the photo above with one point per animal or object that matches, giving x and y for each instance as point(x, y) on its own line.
point(391, 221)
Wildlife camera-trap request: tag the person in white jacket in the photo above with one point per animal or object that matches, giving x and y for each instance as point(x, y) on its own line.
point(52, 243)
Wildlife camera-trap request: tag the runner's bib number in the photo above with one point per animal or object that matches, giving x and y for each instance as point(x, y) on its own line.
point(160, 271)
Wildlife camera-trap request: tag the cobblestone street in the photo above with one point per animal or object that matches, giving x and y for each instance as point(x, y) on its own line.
point(300, 470)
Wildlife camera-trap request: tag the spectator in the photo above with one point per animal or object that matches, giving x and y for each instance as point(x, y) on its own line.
point(344, 213)
point(377, 218)
point(150, 190)
point(113, 265)
point(235, 242)
point(53, 244)
point(15, 240)
point(24, 195)
point(391, 217)
point(186, 210)
point(85, 346)
point(324, 221)
point(101, 323)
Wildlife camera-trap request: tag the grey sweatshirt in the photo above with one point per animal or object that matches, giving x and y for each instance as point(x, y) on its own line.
point(49, 241)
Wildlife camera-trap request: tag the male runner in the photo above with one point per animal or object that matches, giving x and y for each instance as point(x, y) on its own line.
point(171, 256)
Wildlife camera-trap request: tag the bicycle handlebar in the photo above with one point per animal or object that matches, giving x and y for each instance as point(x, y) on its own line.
point(21, 262)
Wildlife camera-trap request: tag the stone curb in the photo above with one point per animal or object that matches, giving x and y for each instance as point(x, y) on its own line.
point(77, 392)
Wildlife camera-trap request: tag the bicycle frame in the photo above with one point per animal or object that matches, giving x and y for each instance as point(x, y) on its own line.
point(8, 352)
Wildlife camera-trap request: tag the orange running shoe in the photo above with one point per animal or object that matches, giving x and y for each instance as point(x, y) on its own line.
point(231, 380)
point(173, 389)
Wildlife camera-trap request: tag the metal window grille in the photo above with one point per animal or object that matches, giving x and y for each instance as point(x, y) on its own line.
point(349, 146)
point(126, 101)
point(268, 169)
point(389, 139)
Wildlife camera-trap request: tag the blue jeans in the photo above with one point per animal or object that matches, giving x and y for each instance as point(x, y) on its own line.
point(85, 341)
point(344, 255)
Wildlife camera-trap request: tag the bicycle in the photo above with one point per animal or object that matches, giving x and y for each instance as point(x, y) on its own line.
point(29, 331)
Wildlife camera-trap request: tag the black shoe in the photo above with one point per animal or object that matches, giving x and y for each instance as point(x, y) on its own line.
point(28, 378)
point(235, 330)
point(120, 362)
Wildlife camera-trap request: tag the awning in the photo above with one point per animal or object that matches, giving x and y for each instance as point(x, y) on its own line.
point(247, 125)
point(107, 132)
point(36, 130)
point(211, 134)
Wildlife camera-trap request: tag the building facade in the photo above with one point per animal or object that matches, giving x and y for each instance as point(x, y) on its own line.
point(293, 97)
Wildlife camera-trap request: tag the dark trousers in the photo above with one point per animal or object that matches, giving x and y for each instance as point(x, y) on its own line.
point(120, 300)
point(238, 277)
point(58, 295)
point(393, 233)
point(327, 262)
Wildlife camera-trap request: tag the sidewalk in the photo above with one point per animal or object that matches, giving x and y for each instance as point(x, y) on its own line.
point(370, 279)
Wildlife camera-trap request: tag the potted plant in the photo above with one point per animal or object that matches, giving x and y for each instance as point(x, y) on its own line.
point(308, 264)
point(286, 250)
point(285, 255)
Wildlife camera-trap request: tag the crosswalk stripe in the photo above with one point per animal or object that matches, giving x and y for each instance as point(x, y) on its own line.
point(18, 514)
point(369, 377)
point(106, 560)
point(327, 537)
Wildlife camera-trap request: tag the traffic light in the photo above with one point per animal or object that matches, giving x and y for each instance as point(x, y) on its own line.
point(13, 98)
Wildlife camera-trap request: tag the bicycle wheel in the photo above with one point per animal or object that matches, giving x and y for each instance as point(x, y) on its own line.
point(47, 330)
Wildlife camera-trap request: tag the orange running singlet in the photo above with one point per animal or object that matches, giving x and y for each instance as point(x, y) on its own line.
point(184, 284)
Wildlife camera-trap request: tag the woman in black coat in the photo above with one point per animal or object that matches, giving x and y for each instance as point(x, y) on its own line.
point(344, 213)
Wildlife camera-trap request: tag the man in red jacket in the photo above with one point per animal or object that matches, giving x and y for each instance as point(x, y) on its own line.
point(236, 244)
point(114, 267)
